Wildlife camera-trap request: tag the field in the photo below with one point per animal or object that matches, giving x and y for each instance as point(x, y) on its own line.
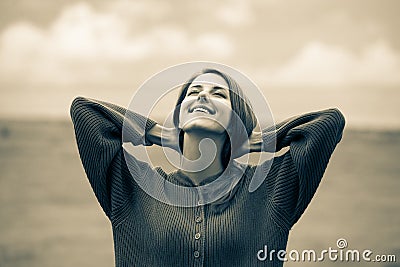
point(49, 216)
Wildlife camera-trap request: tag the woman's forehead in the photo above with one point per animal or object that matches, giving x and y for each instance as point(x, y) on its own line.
point(210, 78)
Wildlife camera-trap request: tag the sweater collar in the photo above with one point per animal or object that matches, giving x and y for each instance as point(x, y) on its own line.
point(217, 190)
point(184, 180)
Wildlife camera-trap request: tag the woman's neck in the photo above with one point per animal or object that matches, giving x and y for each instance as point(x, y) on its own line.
point(202, 155)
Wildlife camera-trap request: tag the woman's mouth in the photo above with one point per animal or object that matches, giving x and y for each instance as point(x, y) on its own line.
point(202, 109)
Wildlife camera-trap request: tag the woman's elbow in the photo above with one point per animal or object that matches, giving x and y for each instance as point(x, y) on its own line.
point(76, 108)
point(339, 122)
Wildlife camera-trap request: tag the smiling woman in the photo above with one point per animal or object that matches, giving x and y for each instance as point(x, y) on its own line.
point(207, 99)
point(214, 124)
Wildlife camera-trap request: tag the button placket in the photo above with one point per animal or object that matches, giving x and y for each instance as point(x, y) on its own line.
point(198, 235)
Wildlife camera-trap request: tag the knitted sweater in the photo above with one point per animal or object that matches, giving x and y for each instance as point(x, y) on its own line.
point(148, 232)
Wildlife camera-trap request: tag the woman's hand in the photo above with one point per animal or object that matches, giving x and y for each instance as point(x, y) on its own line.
point(163, 136)
point(254, 144)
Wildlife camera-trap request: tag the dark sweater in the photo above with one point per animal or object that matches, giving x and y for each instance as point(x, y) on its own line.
point(148, 232)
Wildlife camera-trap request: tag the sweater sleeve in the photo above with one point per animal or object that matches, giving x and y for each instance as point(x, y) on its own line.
point(98, 131)
point(311, 138)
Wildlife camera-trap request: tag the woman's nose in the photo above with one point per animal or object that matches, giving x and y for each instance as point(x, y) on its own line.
point(202, 95)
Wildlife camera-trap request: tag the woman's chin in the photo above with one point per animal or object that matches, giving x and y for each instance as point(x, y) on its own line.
point(203, 126)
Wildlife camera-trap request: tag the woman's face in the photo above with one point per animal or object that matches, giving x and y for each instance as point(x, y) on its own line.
point(207, 105)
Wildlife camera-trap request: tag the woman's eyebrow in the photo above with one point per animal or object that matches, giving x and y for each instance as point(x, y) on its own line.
point(196, 86)
point(216, 88)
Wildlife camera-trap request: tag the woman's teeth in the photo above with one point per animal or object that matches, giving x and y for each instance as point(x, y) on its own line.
point(201, 110)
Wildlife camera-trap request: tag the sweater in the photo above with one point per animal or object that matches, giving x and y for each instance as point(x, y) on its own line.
point(148, 232)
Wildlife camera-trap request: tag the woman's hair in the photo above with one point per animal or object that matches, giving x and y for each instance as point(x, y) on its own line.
point(239, 131)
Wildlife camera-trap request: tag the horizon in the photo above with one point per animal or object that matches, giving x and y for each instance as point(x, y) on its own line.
point(65, 120)
point(304, 57)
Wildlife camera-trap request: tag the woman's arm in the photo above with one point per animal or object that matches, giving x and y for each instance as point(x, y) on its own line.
point(311, 138)
point(321, 129)
point(98, 131)
point(163, 136)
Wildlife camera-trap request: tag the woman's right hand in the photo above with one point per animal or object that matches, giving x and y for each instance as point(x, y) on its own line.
point(163, 136)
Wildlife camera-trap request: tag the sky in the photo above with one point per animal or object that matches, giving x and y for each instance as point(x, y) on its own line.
point(303, 55)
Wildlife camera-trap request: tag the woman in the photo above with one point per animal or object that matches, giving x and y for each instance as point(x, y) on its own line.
point(231, 230)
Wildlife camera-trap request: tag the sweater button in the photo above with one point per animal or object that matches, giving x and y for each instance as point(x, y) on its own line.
point(196, 254)
point(197, 236)
point(198, 219)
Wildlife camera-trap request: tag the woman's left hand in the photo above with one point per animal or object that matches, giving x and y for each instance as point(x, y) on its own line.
point(163, 136)
point(253, 144)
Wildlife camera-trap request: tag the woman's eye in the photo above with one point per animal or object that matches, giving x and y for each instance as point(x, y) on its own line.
point(220, 95)
point(193, 93)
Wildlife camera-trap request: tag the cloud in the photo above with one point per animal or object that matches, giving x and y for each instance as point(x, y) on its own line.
point(235, 13)
point(321, 64)
point(82, 37)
